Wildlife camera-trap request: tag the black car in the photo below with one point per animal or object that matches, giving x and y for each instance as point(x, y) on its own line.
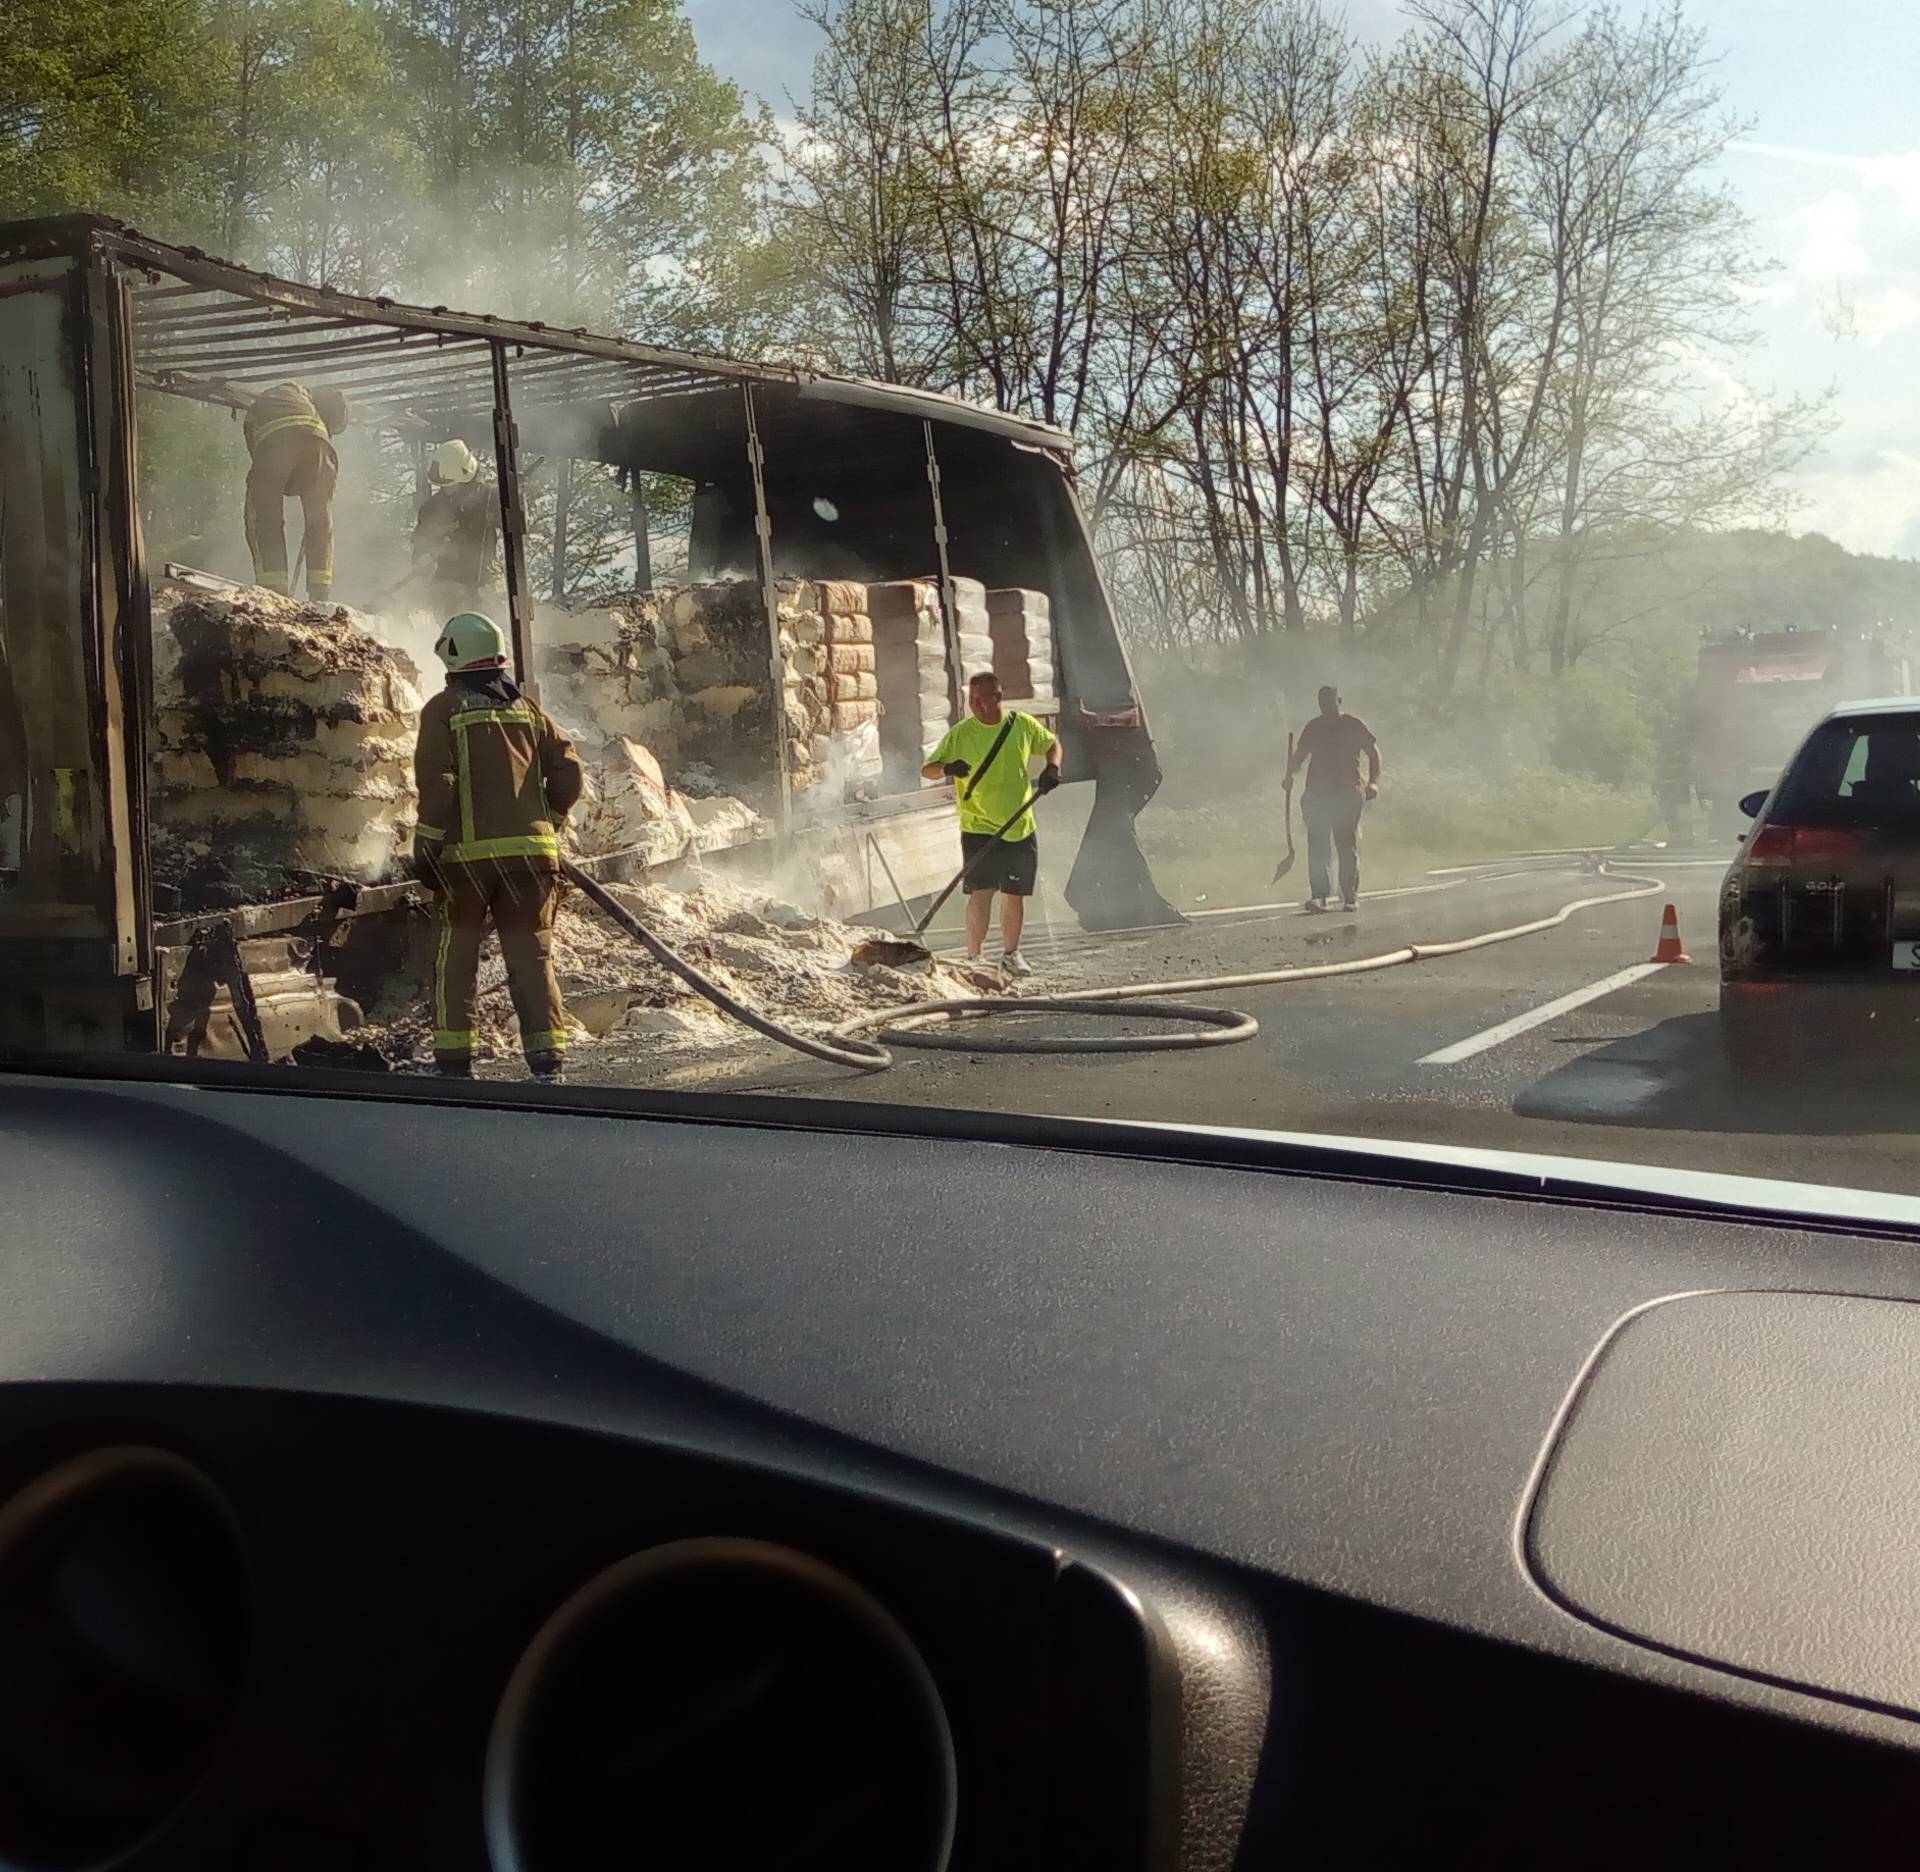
point(1820, 913)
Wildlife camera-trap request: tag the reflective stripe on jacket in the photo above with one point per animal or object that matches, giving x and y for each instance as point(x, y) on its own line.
point(496, 778)
point(285, 406)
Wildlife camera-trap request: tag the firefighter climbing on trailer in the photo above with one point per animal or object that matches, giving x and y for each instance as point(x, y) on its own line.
point(496, 781)
point(290, 431)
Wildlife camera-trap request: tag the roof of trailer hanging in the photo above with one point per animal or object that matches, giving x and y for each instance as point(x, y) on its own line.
point(220, 332)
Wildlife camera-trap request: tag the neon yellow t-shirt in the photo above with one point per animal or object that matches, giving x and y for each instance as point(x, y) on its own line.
point(1006, 783)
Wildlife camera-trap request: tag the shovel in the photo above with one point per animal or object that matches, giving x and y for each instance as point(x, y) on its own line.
point(201, 581)
point(897, 953)
point(1286, 864)
point(395, 589)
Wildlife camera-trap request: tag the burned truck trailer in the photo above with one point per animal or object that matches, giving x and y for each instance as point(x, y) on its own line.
point(853, 552)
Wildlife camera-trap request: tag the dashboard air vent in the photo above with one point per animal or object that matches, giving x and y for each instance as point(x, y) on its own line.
point(123, 1629)
point(721, 1704)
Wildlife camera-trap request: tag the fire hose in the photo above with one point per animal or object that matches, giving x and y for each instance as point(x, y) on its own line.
point(908, 1026)
point(863, 1055)
point(913, 1024)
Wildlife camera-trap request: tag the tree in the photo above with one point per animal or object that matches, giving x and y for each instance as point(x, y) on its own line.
point(1643, 246)
point(110, 105)
point(1481, 61)
point(863, 186)
point(1367, 276)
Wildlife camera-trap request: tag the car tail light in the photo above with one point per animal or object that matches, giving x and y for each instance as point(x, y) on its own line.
point(1784, 844)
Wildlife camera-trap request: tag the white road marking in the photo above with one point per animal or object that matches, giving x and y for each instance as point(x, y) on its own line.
point(1538, 1017)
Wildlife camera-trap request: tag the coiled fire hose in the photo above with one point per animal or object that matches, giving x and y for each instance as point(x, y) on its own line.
point(914, 1023)
point(912, 1026)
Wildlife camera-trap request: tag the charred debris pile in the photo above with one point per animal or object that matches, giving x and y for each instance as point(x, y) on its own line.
point(282, 749)
point(283, 733)
point(281, 768)
point(623, 1006)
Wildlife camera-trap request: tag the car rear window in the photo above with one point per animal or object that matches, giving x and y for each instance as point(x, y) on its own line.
point(1864, 772)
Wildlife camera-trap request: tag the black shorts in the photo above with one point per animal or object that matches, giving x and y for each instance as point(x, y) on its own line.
point(1012, 867)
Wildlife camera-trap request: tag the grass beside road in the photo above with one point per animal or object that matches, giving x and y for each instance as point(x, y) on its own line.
point(1220, 846)
point(1511, 767)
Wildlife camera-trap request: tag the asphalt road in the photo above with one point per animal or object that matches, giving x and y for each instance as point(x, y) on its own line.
point(1633, 1074)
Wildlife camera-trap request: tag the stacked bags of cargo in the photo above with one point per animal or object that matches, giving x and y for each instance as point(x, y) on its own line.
point(910, 666)
point(831, 686)
point(1020, 625)
point(803, 633)
point(851, 686)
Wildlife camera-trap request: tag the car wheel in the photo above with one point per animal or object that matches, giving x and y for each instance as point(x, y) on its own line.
point(1749, 1040)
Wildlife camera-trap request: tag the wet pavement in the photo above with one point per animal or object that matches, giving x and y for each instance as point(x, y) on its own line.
point(1633, 1074)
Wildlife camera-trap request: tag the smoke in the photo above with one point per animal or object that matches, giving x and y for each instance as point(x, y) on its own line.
point(412, 633)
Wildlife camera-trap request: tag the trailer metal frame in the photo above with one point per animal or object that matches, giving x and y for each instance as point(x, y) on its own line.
point(147, 316)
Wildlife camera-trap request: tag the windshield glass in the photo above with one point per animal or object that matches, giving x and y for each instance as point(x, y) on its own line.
point(1861, 772)
point(731, 547)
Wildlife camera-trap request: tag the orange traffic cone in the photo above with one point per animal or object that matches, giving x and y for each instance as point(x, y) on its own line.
point(1669, 949)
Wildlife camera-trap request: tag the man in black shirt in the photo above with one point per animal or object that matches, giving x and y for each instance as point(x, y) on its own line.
point(1332, 748)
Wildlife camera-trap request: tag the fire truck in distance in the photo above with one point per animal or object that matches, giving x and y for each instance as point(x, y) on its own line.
point(1756, 694)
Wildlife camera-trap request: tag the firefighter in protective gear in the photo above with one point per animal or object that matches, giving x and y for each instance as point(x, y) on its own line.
point(290, 433)
point(496, 781)
point(458, 527)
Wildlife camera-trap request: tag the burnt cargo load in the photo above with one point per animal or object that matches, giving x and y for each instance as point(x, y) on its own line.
point(282, 750)
point(144, 767)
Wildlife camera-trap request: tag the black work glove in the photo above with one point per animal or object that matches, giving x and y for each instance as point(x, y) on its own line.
point(1049, 779)
point(426, 868)
point(956, 770)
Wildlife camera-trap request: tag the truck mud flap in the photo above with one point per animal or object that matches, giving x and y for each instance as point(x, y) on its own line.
point(1111, 885)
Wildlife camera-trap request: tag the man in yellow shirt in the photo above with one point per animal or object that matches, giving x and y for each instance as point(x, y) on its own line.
point(986, 756)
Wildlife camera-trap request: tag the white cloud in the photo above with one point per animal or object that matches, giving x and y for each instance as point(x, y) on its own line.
point(1879, 315)
point(1895, 173)
point(1830, 233)
point(1873, 507)
point(1843, 315)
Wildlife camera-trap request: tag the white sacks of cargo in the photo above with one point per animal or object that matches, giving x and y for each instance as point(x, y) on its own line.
point(1020, 624)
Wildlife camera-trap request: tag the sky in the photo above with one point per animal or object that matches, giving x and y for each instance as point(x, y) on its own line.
point(1829, 171)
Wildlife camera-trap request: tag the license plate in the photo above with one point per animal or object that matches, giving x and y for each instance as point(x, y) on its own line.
point(1906, 955)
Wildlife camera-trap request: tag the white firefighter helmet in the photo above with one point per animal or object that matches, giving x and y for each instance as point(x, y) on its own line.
point(454, 464)
point(471, 641)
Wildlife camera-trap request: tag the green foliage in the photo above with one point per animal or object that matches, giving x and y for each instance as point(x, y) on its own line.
point(1599, 728)
point(572, 160)
point(1523, 759)
point(189, 456)
point(110, 105)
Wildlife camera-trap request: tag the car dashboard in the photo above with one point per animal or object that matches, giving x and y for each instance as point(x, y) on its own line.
point(406, 1481)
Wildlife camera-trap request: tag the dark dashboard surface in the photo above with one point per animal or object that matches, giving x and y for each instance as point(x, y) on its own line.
point(1297, 1417)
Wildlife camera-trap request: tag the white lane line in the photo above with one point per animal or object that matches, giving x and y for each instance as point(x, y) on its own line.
point(1538, 1017)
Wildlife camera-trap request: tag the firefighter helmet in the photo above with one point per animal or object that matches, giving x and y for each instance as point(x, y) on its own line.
point(471, 641)
point(331, 407)
point(454, 464)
